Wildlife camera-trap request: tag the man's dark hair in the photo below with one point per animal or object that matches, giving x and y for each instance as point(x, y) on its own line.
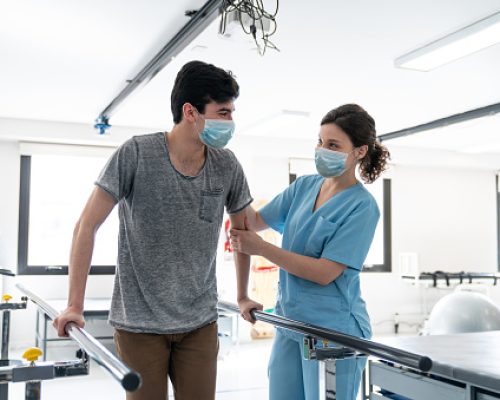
point(199, 83)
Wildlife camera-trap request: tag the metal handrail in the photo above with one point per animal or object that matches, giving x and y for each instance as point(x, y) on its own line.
point(364, 346)
point(130, 380)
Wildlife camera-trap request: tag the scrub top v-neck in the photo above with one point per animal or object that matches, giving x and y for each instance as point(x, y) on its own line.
point(340, 230)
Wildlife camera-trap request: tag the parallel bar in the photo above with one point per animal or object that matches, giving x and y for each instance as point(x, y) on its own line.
point(364, 346)
point(198, 22)
point(130, 380)
point(448, 276)
point(438, 123)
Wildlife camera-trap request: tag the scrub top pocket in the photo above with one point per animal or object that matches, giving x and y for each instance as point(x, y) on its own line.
point(319, 236)
point(330, 311)
point(210, 203)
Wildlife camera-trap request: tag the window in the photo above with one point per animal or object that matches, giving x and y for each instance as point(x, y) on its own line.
point(56, 182)
point(498, 220)
point(379, 255)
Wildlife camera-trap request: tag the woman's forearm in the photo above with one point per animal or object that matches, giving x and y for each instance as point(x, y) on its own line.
point(321, 271)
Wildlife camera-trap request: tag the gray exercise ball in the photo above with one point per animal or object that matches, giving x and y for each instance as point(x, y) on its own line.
point(462, 312)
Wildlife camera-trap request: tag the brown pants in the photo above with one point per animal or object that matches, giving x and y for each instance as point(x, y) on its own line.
point(189, 359)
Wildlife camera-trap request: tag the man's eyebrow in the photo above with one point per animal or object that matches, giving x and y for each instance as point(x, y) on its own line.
point(331, 140)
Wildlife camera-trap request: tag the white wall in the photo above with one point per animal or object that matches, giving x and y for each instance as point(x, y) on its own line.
point(445, 215)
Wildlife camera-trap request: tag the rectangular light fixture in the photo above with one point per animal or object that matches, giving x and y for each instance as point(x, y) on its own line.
point(468, 40)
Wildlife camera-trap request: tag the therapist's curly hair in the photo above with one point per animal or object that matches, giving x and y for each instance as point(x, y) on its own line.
point(360, 127)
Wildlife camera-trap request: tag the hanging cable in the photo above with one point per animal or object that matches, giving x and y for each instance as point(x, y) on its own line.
point(253, 11)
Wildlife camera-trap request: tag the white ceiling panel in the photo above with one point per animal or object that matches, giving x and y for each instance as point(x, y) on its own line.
point(66, 60)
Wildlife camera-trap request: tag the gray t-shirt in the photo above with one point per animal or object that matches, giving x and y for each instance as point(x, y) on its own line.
point(169, 231)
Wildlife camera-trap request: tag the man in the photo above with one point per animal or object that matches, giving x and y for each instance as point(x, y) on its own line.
point(171, 189)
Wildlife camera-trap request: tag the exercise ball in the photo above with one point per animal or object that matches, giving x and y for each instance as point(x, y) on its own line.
point(462, 312)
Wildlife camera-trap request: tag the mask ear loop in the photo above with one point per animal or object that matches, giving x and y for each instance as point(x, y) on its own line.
point(355, 155)
point(356, 159)
point(199, 114)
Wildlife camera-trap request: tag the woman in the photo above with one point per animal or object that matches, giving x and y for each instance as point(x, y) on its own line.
point(327, 222)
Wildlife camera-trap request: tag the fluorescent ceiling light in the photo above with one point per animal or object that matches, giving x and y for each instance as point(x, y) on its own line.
point(468, 40)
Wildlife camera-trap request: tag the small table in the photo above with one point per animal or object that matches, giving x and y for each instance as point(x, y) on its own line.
point(465, 366)
point(95, 308)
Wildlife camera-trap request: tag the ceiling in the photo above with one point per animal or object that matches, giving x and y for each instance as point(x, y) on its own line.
point(66, 60)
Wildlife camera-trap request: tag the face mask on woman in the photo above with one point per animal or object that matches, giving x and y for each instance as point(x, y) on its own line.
point(217, 132)
point(330, 163)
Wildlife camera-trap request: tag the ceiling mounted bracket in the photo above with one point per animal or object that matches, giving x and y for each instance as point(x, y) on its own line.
point(198, 22)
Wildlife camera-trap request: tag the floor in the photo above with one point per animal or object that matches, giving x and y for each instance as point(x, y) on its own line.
point(242, 375)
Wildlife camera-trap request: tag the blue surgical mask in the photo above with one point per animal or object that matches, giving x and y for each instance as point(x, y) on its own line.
point(330, 163)
point(217, 132)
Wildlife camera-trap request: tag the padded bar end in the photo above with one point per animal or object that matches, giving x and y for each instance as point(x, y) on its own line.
point(425, 364)
point(131, 381)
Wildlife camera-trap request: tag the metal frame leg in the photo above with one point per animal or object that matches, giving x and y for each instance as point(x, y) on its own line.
point(37, 332)
point(44, 342)
point(33, 390)
point(41, 338)
point(364, 396)
point(4, 388)
point(330, 390)
point(5, 334)
point(4, 391)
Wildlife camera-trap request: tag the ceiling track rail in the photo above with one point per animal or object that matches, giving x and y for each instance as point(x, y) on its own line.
point(199, 21)
point(492, 109)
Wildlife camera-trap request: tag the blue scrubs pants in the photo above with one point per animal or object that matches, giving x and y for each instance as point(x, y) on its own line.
point(291, 377)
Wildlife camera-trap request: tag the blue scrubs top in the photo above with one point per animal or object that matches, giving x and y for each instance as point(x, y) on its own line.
point(341, 230)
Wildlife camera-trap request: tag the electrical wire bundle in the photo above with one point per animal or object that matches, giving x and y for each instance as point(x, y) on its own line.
point(254, 11)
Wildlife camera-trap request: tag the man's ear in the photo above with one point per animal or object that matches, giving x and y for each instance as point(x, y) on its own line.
point(189, 112)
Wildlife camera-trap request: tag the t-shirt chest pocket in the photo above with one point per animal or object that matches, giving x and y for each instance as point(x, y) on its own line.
point(211, 201)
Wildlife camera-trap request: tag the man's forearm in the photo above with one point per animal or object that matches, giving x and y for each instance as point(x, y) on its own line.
point(79, 266)
point(254, 220)
point(242, 262)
